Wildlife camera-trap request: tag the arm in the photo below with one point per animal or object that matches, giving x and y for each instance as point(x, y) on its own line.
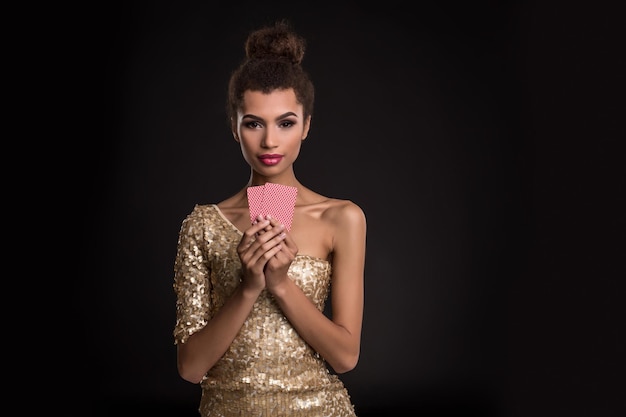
point(337, 340)
point(209, 340)
point(205, 347)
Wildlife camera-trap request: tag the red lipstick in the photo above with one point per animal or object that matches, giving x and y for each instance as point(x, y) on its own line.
point(270, 159)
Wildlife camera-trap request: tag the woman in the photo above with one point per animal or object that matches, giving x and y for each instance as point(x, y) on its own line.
point(251, 290)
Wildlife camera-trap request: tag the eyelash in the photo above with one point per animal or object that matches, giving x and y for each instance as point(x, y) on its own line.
point(251, 125)
point(254, 124)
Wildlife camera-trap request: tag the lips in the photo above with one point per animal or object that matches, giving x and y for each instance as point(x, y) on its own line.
point(269, 160)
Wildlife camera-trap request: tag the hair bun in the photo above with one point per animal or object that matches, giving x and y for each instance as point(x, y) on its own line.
point(276, 42)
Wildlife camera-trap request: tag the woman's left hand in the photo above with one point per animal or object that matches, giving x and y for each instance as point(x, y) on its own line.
point(277, 267)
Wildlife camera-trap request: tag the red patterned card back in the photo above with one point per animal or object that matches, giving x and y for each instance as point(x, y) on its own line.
point(280, 201)
point(255, 201)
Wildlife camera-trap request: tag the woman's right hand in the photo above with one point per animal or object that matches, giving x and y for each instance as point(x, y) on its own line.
point(259, 243)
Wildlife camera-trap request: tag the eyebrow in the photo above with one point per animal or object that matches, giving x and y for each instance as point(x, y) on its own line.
point(282, 116)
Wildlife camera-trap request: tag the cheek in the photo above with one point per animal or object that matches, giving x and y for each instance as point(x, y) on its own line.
point(295, 149)
point(249, 140)
point(248, 149)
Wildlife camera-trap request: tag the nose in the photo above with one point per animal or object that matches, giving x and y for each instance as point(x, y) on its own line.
point(270, 139)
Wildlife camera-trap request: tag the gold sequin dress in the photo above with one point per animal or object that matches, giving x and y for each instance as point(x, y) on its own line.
point(269, 370)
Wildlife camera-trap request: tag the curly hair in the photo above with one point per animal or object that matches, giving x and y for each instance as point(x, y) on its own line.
point(273, 62)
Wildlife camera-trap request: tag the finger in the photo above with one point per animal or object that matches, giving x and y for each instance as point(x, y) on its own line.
point(269, 232)
point(262, 254)
point(269, 240)
point(250, 236)
point(272, 223)
point(273, 220)
point(285, 255)
point(289, 242)
point(268, 255)
point(259, 219)
point(259, 234)
point(256, 227)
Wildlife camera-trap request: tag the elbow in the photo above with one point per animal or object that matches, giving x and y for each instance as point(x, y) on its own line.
point(346, 364)
point(190, 375)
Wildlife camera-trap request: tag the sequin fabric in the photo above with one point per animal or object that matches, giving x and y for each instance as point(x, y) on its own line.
point(269, 370)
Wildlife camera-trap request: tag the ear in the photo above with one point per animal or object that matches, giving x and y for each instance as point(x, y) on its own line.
point(233, 129)
point(307, 127)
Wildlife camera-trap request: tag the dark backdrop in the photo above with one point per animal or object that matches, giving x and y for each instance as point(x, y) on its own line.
point(480, 140)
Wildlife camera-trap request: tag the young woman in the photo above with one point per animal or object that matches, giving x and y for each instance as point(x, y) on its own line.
point(251, 292)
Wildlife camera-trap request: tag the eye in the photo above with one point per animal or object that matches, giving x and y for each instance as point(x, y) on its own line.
point(253, 124)
point(286, 123)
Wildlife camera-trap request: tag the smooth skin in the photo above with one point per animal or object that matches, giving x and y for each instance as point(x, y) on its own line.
point(322, 227)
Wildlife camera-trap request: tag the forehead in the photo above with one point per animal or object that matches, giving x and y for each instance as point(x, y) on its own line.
point(275, 102)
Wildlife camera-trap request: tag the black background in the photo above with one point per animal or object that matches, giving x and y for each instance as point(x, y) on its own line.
point(481, 140)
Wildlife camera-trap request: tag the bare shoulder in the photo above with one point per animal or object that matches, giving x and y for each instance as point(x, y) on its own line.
point(349, 229)
point(324, 224)
point(344, 213)
point(328, 209)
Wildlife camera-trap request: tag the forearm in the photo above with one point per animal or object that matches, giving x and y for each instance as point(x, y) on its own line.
point(205, 347)
point(335, 343)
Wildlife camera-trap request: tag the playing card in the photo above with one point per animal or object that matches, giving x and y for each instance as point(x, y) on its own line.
point(279, 201)
point(255, 201)
point(274, 199)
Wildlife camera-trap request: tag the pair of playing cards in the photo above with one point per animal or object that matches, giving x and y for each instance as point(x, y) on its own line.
point(276, 200)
